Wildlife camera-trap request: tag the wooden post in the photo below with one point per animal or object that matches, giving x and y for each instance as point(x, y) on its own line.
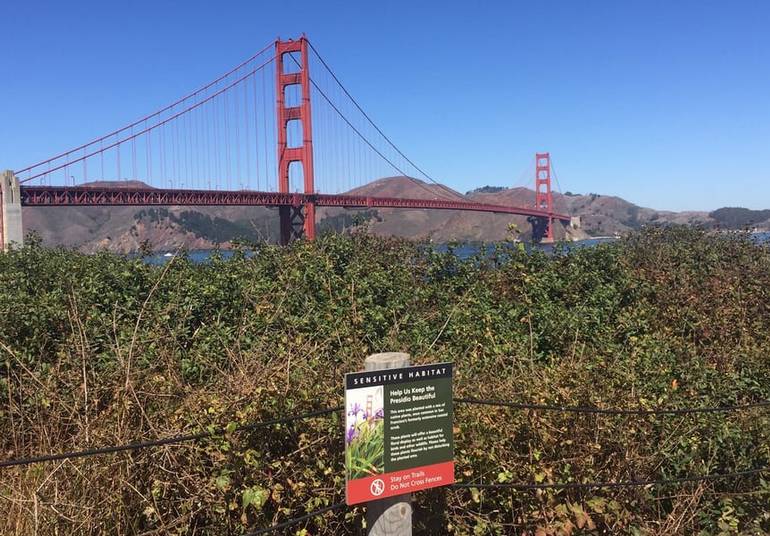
point(391, 516)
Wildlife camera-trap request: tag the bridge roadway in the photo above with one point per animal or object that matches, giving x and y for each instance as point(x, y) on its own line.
point(61, 196)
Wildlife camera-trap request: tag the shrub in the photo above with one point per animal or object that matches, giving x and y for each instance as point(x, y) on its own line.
point(102, 349)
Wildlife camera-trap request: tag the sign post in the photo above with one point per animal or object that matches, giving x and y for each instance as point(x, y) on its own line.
point(398, 437)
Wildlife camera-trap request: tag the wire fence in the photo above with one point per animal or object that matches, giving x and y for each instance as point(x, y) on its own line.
point(533, 487)
point(611, 485)
point(296, 520)
point(612, 411)
point(165, 441)
point(478, 485)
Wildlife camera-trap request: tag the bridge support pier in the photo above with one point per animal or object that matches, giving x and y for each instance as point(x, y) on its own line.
point(294, 222)
point(10, 209)
point(542, 229)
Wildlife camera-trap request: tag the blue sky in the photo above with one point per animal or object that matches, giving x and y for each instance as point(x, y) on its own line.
point(666, 104)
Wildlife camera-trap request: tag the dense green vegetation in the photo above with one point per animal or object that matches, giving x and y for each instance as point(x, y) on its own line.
point(217, 230)
point(486, 190)
point(101, 349)
point(347, 220)
point(220, 230)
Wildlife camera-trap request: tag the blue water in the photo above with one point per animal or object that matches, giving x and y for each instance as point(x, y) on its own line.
point(463, 251)
point(197, 256)
point(467, 250)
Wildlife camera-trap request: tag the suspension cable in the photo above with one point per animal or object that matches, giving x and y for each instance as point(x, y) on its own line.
point(364, 138)
point(384, 136)
point(154, 114)
point(156, 125)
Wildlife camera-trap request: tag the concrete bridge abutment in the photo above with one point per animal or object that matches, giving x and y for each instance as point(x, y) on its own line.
point(10, 211)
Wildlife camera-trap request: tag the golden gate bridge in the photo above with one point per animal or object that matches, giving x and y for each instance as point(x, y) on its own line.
point(265, 133)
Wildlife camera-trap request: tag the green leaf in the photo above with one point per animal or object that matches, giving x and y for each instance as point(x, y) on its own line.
point(222, 482)
point(255, 496)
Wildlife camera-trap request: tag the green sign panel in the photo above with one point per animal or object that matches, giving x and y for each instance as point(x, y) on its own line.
point(398, 431)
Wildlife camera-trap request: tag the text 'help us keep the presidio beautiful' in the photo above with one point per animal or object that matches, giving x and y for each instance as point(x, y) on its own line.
point(398, 431)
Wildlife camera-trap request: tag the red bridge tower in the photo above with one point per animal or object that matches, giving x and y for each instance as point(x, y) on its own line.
point(543, 196)
point(297, 220)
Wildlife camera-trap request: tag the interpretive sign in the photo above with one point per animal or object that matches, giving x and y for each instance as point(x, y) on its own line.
point(398, 431)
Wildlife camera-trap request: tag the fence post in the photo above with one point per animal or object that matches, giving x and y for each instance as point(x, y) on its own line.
point(391, 516)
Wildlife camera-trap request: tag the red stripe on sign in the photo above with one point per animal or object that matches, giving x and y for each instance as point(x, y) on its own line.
point(399, 482)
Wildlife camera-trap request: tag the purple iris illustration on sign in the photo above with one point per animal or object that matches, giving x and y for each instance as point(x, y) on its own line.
point(364, 432)
point(355, 409)
point(350, 434)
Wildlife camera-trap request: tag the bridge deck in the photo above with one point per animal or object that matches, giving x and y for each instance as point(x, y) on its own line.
point(47, 196)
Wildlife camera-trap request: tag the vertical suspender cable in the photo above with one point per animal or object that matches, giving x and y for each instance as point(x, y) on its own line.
point(257, 137)
point(246, 128)
point(236, 118)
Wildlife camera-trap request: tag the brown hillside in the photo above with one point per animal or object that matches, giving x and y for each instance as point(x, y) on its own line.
point(438, 225)
point(125, 228)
